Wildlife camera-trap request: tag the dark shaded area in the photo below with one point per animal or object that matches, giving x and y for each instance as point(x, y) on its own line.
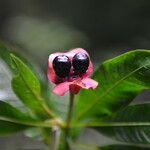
point(109, 25)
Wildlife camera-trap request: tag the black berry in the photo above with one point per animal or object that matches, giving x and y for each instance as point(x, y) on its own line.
point(80, 63)
point(62, 66)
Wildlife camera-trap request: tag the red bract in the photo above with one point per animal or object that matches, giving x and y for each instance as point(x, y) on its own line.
point(70, 71)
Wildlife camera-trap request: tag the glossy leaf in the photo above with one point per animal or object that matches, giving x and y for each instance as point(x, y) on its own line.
point(7, 128)
point(110, 147)
point(27, 87)
point(12, 119)
point(6, 74)
point(123, 147)
point(10, 114)
point(8, 111)
point(6, 93)
point(120, 80)
point(130, 125)
point(5, 54)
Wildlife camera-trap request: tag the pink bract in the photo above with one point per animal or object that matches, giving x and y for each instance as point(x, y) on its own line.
point(71, 83)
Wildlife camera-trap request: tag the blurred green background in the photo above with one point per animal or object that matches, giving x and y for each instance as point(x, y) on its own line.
point(104, 28)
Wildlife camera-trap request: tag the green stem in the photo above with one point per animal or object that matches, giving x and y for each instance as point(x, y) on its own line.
point(68, 121)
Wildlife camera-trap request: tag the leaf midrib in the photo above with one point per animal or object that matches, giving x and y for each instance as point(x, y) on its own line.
point(27, 123)
point(108, 90)
point(44, 106)
point(113, 124)
point(41, 100)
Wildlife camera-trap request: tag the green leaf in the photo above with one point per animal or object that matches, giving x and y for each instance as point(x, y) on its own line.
point(130, 125)
point(8, 111)
point(110, 147)
point(5, 53)
point(27, 87)
point(122, 147)
point(9, 115)
point(120, 80)
point(6, 93)
point(7, 128)
point(6, 75)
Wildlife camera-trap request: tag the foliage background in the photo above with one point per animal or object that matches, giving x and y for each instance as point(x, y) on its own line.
point(105, 28)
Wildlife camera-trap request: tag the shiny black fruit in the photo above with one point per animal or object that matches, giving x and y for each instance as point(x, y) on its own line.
point(80, 63)
point(62, 66)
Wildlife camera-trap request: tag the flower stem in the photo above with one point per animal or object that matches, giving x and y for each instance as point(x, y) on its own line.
point(68, 121)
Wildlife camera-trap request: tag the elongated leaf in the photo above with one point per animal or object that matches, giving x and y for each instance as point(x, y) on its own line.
point(14, 117)
point(7, 128)
point(130, 125)
point(111, 147)
point(123, 147)
point(120, 80)
point(27, 87)
point(6, 93)
point(8, 111)
point(4, 53)
point(9, 115)
point(6, 74)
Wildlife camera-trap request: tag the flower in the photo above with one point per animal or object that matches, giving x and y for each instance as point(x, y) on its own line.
point(70, 71)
